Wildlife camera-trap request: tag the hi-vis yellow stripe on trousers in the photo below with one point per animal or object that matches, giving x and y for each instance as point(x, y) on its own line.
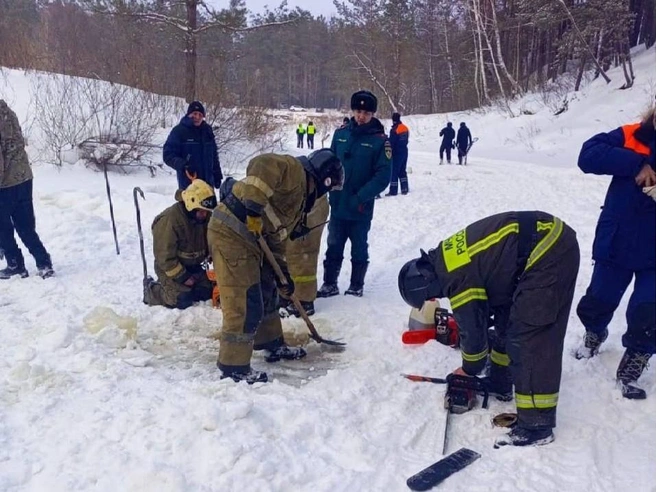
point(536, 401)
point(466, 296)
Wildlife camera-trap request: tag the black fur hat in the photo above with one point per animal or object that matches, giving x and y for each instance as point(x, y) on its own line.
point(364, 100)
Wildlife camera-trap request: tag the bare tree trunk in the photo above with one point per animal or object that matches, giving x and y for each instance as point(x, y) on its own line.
point(495, 25)
point(449, 62)
point(621, 49)
point(579, 75)
point(431, 75)
point(480, 62)
point(376, 81)
point(482, 26)
point(190, 50)
point(582, 39)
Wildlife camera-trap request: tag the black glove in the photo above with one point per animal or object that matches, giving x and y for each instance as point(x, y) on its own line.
point(288, 289)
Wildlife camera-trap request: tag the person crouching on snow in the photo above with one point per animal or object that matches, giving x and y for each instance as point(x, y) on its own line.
point(180, 248)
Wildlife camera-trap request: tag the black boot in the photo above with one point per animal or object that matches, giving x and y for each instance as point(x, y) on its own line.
point(521, 436)
point(286, 352)
point(14, 267)
point(45, 268)
point(250, 377)
point(331, 271)
point(628, 372)
point(358, 271)
point(591, 343)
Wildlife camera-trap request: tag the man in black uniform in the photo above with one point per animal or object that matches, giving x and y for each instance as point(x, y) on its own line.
point(520, 268)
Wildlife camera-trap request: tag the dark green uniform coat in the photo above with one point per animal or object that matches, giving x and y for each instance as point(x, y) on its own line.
point(520, 268)
point(366, 155)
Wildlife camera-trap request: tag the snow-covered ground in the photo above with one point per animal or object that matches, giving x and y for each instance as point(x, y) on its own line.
point(87, 406)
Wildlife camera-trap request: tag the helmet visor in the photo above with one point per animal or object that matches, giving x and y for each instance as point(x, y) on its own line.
point(208, 203)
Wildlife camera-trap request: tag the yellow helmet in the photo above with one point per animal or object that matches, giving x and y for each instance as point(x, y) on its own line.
point(199, 195)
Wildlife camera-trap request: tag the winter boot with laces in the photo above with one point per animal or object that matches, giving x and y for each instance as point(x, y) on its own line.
point(591, 343)
point(291, 310)
point(46, 272)
point(628, 372)
point(328, 290)
point(251, 377)
point(521, 436)
point(14, 268)
point(286, 352)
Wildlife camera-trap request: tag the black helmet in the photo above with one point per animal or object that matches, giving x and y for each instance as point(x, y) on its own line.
point(449, 124)
point(462, 123)
point(326, 169)
point(418, 282)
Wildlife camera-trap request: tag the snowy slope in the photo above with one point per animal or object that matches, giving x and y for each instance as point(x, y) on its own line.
point(103, 412)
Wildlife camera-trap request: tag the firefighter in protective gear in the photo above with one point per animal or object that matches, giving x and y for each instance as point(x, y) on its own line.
point(521, 268)
point(624, 247)
point(271, 201)
point(180, 248)
point(303, 258)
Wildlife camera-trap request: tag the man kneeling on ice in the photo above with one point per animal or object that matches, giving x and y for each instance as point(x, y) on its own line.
point(520, 267)
point(180, 248)
point(270, 203)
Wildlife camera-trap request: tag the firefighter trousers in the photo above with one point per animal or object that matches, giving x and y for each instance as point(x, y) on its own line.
point(536, 329)
point(249, 298)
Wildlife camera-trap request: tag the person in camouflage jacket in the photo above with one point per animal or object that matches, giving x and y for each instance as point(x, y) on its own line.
point(16, 202)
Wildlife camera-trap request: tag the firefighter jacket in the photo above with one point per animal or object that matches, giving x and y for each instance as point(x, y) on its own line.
point(275, 187)
point(14, 165)
point(626, 231)
point(478, 269)
point(179, 244)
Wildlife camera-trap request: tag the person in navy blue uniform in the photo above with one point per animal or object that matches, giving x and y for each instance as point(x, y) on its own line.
point(399, 138)
point(448, 134)
point(624, 247)
point(191, 149)
point(463, 141)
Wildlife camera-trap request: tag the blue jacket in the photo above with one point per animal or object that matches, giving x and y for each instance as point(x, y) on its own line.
point(399, 139)
point(366, 155)
point(626, 231)
point(194, 148)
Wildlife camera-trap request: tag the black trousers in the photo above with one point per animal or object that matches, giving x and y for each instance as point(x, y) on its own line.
point(536, 331)
point(446, 146)
point(530, 332)
point(17, 214)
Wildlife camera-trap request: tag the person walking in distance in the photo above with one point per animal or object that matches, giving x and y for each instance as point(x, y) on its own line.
point(448, 134)
point(463, 141)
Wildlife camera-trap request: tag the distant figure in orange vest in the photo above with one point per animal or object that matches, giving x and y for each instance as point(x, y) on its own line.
point(399, 137)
